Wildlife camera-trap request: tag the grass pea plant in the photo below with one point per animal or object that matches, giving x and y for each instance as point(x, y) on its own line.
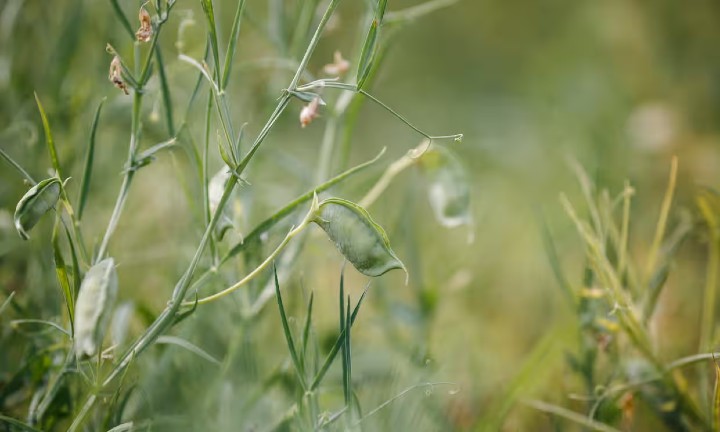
point(71, 377)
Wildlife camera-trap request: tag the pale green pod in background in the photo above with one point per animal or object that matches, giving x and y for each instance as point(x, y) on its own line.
point(448, 189)
point(362, 241)
point(34, 204)
point(94, 307)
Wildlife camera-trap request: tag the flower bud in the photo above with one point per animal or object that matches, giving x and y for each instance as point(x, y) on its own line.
point(145, 31)
point(115, 75)
point(309, 112)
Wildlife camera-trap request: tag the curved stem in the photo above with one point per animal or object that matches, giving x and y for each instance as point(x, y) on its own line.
point(253, 274)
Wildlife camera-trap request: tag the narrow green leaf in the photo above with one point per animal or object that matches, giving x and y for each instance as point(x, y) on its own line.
point(182, 343)
point(286, 330)
point(554, 260)
point(367, 54)
point(230, 53)
point(362, 241)
point(338, 345)
point(17, 424)
point(94, 307)
point(347, 381)
point(20, 322)
point(148, 155)
point(6, 302)
point(380, 12)
point(34, 204)
point(89, 157)
point(76, 275)
point(17, 166)
point(165, 92)
point(343, 324)
point(49, 138)
point(207, 6)
point(306, 326)
point(62, 276)
point(123, 19)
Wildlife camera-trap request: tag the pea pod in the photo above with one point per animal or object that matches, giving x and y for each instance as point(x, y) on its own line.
point(35, 203)
point(94, 307)
point(449, 190)
point(362, 241)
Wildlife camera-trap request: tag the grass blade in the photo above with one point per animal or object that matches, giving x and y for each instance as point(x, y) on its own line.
point(89, 157)
point(308, 322)
point(17, 424)
point(165, 91)
point(207, 6)
point(6, 302)
point(230, 53)
point(17, 166)
point(347, 369)
point(343, 323)
point(123, 19)
point(553, 258)
point(48, 138)
point(288, 334)
point(662, 221)
point(62, 276)
point(569, 415)
point(182, 343)
point(338, 344)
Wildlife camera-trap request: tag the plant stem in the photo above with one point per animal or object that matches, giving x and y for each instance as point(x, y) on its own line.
point(253, 274)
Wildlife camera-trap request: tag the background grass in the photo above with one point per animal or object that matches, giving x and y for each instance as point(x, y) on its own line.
point(618, 85)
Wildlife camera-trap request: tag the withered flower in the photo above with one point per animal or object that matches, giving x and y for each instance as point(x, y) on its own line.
point(145, 31)
point(309, 112)
point(339, 65)
point(115, 75)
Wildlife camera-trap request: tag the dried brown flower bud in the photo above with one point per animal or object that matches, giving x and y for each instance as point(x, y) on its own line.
point(309, 112)
point(145, 31)
point(339, 65)
point(115, 75)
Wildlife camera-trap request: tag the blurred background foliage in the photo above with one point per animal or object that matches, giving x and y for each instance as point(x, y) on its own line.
point(619, 85)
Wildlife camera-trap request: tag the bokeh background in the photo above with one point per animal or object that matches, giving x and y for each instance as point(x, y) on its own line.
point(619, 85)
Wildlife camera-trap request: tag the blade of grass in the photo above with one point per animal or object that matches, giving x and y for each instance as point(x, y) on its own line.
point(288, 335)
point(17, 424)
point(185, 344)
point(662, 221)
point(62, 276)
point(207, 7)
point(165, 92)
point(7, 301)
point(49, 138)
point(569, 415)
point(89, 157)
point(347, 378)
point(399, 396)
point(230, 53)
point(338, 344)
point(123, 19)
point(554, 260)
point(343, 322)
point(306, 327)
point(17, 166)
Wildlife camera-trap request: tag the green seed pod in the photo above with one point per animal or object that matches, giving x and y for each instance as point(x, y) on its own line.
point(34, 204)
point(94, 307)
point(362, 241)
point(449, 190)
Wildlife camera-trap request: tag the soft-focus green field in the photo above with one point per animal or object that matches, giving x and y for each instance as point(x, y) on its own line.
point(538, 88)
